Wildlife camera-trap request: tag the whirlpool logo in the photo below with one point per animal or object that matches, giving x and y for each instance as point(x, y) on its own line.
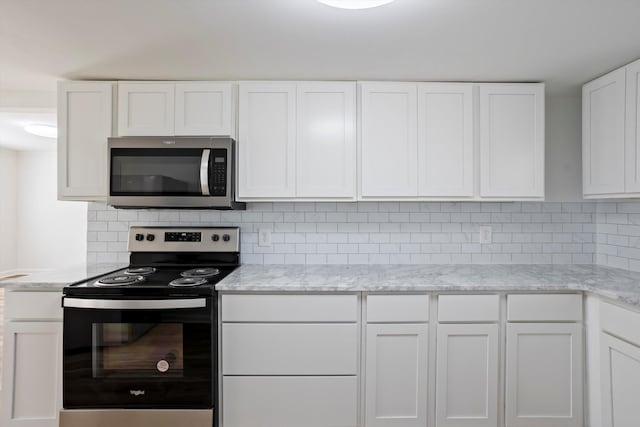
point(136, 392)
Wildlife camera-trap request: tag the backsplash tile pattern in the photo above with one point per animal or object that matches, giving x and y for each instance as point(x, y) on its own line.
point(618, 234)
point(377, 232)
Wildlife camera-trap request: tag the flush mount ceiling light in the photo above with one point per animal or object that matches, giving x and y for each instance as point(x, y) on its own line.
point(46, 131)
point(355, 4)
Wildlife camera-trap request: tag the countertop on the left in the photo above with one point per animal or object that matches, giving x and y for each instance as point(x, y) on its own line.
point(58, 279)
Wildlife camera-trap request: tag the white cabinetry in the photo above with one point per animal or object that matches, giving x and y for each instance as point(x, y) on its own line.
point(146, 108)
point(204, 108)
point(296, 140)
point(32, 373)
point(632, 129)
point(85, 121)
point(621, 382)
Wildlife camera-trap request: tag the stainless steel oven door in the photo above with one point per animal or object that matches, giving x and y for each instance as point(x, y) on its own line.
point(140, 353)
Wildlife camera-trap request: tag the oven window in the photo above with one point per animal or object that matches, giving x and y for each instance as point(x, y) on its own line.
point(138, 350)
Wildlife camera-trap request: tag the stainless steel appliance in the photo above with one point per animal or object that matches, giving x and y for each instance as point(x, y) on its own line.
point(140, 344)
point(172, 172)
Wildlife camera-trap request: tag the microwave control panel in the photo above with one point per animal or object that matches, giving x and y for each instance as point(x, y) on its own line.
point(218, 178)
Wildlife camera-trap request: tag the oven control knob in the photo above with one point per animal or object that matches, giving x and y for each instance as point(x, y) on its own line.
point(139, 237)
point(151, 237)
point(215, 237)
point(226, 237)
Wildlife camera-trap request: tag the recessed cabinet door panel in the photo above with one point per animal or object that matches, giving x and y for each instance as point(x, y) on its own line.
point(603, 140)
point(512, 141)
point(467, 376)
point(396, 375)
point(389, 139)
point(146, 109)
point(84, 123)
point(32, 374)
point(620, 382)
point(632, 133)
point(203, 109)
point(445, 140)
point(326, 145)
point(544, 375)
point(266, 140)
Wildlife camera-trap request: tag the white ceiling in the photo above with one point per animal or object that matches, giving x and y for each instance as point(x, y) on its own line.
point(13, 136)
point(561, 42)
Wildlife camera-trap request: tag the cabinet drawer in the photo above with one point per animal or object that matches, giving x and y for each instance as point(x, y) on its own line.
point(290, 401)
point(289, 349)
point(544, 308)
point(468, 308)
point(620, 322)
point(397, 308)
point(289, 308)
point(33, 305)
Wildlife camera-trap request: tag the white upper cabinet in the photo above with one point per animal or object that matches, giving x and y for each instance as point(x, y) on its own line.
point(445, 140)
point(632, 131)
point(204, 109)
point(603, 157)
point(146, 109)
point(389, 140)
point(512, 141)
point(85, 121)
point(266, 140)
point(326, 140)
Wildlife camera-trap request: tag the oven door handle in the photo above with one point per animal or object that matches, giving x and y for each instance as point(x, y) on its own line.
point(204, 172)
point(128, 304)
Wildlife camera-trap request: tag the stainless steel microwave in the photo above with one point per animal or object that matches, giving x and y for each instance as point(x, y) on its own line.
point(172, 172)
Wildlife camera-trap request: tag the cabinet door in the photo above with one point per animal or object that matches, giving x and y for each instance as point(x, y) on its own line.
point(603, 156)
point(396, 375)
point(204, 109)
point(544, 375)
point(85, 113)
point(467, 376)
point(620, 382)
point(632, 133)
point(512, 141)
point(326, 144)
point(445, 140)
point(266, 140)
point(146, 109)
point(389, 135)
point(32, 377)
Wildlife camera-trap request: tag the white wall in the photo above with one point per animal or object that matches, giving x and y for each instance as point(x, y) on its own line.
point(52, 234)
point(8, 201)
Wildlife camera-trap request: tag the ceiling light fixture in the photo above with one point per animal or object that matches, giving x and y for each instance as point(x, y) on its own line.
point(355, 4)
point(46, 131)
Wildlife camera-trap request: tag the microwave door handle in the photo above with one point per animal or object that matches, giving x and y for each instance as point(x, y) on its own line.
point(204, 172)
point(110, 304)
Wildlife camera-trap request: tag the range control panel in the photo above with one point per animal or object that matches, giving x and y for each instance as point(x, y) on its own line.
point(184, 239)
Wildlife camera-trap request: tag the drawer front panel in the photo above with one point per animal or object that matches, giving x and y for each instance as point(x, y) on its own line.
point(289, 349)
point(620, 322)
point(290, 401)
point(289, 308)
point(468, 308)
point(397, 308)
point(544, 308)
point(33, 305)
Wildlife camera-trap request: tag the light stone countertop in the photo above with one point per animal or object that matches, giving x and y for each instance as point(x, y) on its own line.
point(613, 283)
point(57, 279)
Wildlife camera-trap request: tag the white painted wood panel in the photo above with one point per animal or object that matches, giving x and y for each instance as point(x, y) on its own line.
point(396, 375)
point(266, 140)
point(407, 308)
point(468, 308)
point(32, 377)
point(544, 375)
point(620, 322)
point(445, 140)
point(620, 382)
point(388, 141)
point(290, 349)
point(289, 308)
point(544, 307)
point(512, 140)
point(290, 402)
point(632, 129)
point(85, 121)
point(326, 140)
point(33, 305)
point(204, 108)
point(603, 134)
point(467, 376)
point(146, 109)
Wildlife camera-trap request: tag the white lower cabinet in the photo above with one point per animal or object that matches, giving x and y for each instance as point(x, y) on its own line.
point(544, 375)
point(467, 375)
point(620, 382)
point(396, 375)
